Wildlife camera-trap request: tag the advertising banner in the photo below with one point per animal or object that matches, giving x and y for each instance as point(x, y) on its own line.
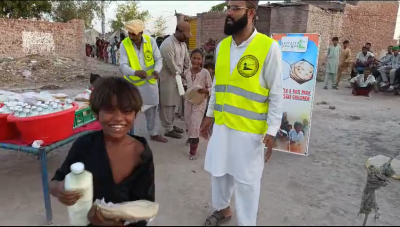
point(299, 72)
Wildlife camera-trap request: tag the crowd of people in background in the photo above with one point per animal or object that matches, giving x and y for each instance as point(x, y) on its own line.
point(109, 51)
point(105, 50)
point(367, 72)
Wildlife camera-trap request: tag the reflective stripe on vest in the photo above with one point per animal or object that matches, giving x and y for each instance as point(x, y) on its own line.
point(135, 64)
point(241, 102)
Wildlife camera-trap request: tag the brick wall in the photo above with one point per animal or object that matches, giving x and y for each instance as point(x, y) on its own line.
point(363, 22)
point(328, 24)
point(270, 20)
point(23, 37)
point(289, 19)
point(372, 22)
point(263, 24)
point(210, 25)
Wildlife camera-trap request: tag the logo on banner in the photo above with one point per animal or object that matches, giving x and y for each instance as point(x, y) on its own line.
point(294, 44)
point(148, 55)
point(248, 66)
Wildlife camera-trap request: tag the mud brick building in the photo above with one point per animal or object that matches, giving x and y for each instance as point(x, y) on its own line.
point(24, 37)
point(358, 22)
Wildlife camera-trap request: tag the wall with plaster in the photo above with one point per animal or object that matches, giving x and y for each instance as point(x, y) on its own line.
point(24, 37)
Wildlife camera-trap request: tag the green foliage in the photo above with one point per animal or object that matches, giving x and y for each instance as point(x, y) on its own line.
point(219, 7)
point(64, 11)
point(160, 25)
point(126, 12)
point(24, 9)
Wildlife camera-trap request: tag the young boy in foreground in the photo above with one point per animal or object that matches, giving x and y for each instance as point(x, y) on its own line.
point(363, 84)
point(121, 164)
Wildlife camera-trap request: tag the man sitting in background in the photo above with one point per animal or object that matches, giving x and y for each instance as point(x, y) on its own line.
point(363, 84)
point(393, 62)
point(388, 54)
point(362, 60)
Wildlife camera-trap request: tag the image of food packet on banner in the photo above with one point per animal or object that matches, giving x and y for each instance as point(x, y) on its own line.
point(299, 68)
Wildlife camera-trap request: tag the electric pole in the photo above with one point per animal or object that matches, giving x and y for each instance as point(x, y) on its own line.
point(103, 20)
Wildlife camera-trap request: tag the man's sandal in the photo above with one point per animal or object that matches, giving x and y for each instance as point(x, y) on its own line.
point(216, 219)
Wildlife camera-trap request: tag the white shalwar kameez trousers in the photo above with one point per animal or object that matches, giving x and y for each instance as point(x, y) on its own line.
point(234, 158)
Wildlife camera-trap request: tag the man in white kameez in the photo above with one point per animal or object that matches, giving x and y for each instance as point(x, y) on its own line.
point(175, 60)
point(140, 62)
point(246, 103)
point(332, 63)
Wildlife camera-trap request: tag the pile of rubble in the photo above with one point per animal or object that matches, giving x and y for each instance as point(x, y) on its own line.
point(38, 70)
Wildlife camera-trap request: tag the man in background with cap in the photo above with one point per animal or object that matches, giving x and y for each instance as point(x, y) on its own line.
point(140, 62)
point(246, 103)
point(393, 63)
point(175, 60)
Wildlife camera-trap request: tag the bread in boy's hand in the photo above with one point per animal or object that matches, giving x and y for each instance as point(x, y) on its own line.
point(129, 211)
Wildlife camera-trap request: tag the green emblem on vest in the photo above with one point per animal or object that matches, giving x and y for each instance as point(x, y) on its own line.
point(148, 56)
point(248, 66)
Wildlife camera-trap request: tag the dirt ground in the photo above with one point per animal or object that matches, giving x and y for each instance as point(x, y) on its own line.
point(322, 189)
point(50, 72)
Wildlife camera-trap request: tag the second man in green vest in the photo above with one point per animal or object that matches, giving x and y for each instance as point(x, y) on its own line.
point(140, 62)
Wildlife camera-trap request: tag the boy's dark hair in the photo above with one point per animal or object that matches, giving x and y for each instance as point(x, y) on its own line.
point(364, 47)
point(197, 51)
point(346, 42)
point(127, 94)
point(368, 44)
point(209, 65)
point(94, 78)
point(335, 39)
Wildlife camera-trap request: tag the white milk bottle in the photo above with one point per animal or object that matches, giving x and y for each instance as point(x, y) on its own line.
point(40, 110)
point(82, 181)
point(68, 104)
point(46, 109)
point(181, 89)
point(34, 111)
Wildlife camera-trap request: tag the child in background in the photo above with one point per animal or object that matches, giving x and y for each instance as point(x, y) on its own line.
point(194, 113)
point(93, 79)
point(122, 164)
point(105, 52)
point(210, 66)
point(296, 137)
point(109, 52)
point(117, 54)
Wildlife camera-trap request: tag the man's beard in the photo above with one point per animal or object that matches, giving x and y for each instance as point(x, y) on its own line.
point(236, 26)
